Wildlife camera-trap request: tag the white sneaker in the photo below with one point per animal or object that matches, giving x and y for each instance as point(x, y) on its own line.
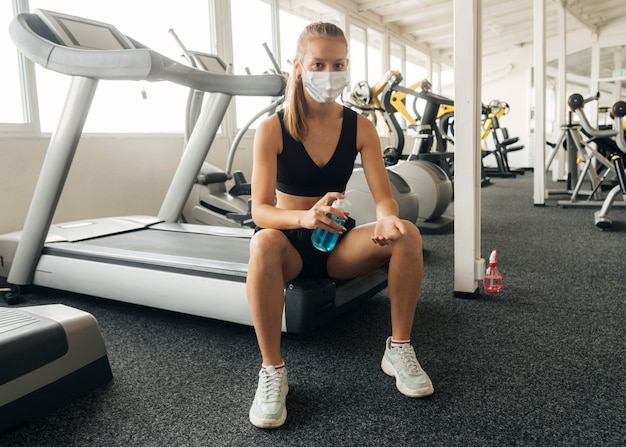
point(268, 408)
point(411, 379)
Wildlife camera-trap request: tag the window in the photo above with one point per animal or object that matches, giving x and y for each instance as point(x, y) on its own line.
point(12, 110)
point(144, 107)
point(415, 66)
point(375, 66)
point(447, 81)
point(291, 26)
point(251, 28)
point(397, 59)
point(612, 74)
point(358, 54)
point(129, 106)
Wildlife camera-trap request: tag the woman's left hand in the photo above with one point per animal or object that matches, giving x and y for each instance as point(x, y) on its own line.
point(387, 230)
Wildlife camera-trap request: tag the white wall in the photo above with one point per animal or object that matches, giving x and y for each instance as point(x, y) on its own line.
point(110, 176)
point(513, 88)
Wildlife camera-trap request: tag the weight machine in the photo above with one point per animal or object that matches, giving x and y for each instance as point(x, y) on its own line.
point(596, 167)
point(602, 219)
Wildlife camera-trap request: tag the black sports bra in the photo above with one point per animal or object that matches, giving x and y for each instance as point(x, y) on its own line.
point(299, 175)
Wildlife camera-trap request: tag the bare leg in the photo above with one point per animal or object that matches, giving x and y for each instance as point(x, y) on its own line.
point(406, 268)
point(357, 255)
point(273, 260)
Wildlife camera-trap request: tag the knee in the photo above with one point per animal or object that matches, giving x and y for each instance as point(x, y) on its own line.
point(268, 244)
point(412, 240)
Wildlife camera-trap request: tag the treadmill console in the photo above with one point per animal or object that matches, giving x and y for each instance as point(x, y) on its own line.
point(78, 32)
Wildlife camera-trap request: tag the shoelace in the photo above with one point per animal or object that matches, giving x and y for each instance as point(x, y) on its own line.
point(271, 386)
point(410, 362)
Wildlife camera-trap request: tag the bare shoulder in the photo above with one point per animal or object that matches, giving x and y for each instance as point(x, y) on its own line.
point(366, 133)
point(269, 125)
point(363, 123)
point(269, 134)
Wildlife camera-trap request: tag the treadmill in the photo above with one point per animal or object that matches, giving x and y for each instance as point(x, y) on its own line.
point(152, 261)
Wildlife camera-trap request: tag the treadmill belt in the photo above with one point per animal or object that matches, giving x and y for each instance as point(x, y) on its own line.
point(175, 249)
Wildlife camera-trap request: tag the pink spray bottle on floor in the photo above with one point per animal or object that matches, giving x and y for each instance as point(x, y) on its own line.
point(492, 281)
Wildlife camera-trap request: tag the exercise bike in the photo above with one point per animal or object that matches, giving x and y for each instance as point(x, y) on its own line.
point(503, 144)
point(490, 126)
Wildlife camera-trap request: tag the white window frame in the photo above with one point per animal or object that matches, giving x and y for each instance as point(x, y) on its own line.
point(28, 89)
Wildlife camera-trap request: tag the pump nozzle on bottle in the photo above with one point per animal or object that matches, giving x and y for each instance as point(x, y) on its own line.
point(493, 257)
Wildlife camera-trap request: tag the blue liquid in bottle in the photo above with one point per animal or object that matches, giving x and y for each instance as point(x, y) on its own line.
point(324, 240)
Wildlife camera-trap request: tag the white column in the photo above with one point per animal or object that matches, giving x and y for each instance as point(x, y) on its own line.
point(558, 168)
point(539, 193)
point(591, 108)
point(468, 265)
point(618, 63)
point(275, 12)
point(429, 68)
point(222, 45)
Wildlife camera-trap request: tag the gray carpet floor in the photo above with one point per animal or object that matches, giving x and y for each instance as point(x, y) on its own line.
point(540, 364)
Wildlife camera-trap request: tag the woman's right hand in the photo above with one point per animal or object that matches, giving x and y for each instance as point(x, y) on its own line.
point(317, 216)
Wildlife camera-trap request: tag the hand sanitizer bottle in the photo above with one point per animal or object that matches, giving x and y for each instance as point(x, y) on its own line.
point(493, 279)
point(324, 240)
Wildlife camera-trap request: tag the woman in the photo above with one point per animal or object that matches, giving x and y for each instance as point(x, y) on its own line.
point(303, 158)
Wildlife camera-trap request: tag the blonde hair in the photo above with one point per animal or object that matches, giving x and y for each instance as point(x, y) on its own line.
point(295, 114)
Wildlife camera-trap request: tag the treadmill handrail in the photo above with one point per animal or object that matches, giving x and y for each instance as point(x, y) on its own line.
point(32, 37)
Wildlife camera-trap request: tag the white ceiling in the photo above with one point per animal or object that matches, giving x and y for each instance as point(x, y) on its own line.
point(506, 23)
point(507, 36)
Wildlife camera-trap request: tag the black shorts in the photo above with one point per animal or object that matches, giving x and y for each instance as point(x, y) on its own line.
point(313, 260)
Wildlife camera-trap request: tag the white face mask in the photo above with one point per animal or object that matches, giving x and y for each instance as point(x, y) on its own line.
point(324, 86)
